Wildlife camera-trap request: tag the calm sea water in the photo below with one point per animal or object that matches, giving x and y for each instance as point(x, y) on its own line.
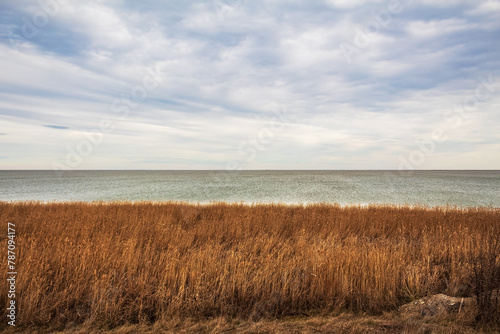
point(458, 188)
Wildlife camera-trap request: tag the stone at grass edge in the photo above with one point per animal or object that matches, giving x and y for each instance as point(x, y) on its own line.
point(436, 305)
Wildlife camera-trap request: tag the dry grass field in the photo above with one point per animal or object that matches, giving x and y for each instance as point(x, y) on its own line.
point(113, 264)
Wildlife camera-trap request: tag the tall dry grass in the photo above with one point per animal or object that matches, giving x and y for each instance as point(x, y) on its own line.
point(116, 263)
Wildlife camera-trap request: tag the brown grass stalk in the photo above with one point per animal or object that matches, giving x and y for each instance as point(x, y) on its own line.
point(121, 263)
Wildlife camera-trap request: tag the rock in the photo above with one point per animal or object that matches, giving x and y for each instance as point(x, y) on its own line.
point(435, 305)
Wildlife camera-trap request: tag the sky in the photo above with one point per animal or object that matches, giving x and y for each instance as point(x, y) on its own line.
point(249, 84)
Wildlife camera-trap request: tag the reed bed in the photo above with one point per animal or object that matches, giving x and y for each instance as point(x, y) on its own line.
point(119, 263)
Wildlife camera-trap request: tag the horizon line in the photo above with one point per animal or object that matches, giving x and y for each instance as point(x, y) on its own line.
point(242, 170)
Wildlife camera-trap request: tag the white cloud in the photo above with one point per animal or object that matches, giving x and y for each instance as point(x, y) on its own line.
point(486, 8)
point(352, 3)
point(224, 76)
point(427, 29)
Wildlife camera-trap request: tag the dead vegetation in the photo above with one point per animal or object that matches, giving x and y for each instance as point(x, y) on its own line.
point(112, 264)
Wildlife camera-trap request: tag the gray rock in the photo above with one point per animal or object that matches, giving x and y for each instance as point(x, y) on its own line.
point(435, 305)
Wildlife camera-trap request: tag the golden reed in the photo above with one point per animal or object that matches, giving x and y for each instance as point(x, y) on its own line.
point(116, 263)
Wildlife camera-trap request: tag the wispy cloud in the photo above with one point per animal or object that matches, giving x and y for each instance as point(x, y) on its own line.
point(225, 70)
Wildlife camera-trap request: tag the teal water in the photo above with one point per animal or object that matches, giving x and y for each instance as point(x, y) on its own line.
point(432, 188)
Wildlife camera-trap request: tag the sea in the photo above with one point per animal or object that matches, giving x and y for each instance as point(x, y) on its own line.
point(428, 188)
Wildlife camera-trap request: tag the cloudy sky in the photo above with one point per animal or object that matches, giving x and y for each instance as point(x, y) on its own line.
point(226, 84)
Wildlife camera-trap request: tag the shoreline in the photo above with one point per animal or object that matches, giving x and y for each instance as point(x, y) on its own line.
point(430, 188)
point(253, 204)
